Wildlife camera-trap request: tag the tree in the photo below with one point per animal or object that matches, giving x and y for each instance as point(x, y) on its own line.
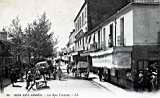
point(39, 38)
point(17, 37)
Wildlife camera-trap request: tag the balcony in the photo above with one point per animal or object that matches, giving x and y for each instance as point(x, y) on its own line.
point(80, 48)
point(93, 47)
point(146, 1)
point(103, 45)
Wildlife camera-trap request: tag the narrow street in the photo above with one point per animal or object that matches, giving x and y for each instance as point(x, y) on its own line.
point(68, 86)
point(76, 88)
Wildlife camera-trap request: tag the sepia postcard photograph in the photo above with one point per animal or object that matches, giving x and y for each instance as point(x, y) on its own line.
point(79, 48)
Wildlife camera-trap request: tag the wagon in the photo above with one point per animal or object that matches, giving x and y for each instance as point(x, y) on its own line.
point(81, 69)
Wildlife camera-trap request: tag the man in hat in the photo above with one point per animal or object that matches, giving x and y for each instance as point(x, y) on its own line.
point(29, 79)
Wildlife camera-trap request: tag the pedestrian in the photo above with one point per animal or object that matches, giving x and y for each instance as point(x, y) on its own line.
point(141, 81)
point(29, 79)
point(154, 80)
point(59, 73)
point(13, 76)
point(54, 72)
point(68, 68)
point(100, 73)
point(37, 74)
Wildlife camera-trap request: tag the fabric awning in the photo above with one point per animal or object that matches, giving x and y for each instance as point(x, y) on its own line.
point(101, 53)
point(106, 61)
point(85, 54)
point(74, 53)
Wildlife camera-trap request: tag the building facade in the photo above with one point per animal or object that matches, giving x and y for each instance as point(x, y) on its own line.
point(90, 15)
point(71, 42)
point(124, 40)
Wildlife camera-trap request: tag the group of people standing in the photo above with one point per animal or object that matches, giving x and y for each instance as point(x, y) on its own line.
point(148, 79)
point(34, 74)
point(31, 73)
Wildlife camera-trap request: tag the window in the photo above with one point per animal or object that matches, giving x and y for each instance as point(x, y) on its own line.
point(89, 39)
point(82, 19)
point(80, 22)
point(86, 38)
point(158, 38)
point(122, 31)
point(99, 38)
point(110, 41)
point(80, 42)
point(85, 13)
point(85, 16)
point(94, 38)
point(104, 34)
point(76, 27)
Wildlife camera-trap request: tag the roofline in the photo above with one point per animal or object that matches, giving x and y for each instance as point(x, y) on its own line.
point(107, 19)
point(80, 10)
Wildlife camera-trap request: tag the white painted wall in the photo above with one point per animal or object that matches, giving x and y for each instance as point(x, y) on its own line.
point(128, 27)
point(107, 27)
point(84, 27)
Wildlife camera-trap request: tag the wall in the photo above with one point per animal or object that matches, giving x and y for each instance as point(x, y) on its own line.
point(128, 27)
point(98, 9)
point(107, 27)
point(146, 24)
point(81, 24)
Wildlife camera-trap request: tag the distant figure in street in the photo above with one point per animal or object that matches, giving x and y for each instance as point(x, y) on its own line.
point(68, 68)
point(29, 79)
point(13, 77)
point(154, 80)
point(54, 72)
point(59, 73)
point(141, 81)
point(100, 73)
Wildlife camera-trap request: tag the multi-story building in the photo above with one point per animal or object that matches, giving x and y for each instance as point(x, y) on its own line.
point(71, 45)
point(123, 39)
point(90, 15)
point(131, 41)
point(71, 42)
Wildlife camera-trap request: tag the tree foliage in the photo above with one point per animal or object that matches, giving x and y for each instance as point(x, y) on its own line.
point(39, 37)
point(17, 37)
point(35, 40)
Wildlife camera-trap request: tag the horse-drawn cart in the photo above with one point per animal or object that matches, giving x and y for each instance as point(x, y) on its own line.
point(82, 69)
point(82, 66)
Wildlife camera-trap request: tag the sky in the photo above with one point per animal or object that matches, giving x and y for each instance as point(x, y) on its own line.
point(61, 13)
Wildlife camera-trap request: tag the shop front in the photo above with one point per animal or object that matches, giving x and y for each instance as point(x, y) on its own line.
point(116, 66)
point(146, 65)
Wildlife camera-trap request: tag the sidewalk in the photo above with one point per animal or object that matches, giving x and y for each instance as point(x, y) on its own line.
point(120, 92)
point(113, 88)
